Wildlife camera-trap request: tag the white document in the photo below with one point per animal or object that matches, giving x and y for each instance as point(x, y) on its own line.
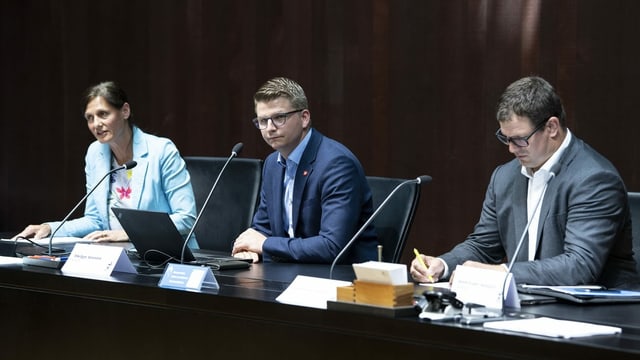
point(560, 288)
point(440, 284)
point(6, 260)
point(45, 241)
point(485, 287)
point(311, 291)
point(553, 327)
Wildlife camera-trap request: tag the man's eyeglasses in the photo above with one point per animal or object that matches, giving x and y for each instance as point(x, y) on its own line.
point(518, 141)
point(277, 120)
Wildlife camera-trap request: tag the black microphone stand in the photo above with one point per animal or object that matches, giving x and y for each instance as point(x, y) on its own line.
point(418, 180)
point(234, 152)
point(127, 165)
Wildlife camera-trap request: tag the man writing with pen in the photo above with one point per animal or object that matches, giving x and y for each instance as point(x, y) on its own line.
point(566, 201)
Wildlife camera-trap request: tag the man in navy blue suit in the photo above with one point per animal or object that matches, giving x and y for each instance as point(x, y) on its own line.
point(314, 194)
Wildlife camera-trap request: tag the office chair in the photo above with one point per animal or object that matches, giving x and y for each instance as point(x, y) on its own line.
point(634, 205)
point(394, 221)
point(233, 202)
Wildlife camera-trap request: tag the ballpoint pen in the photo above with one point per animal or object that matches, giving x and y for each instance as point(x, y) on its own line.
point(415, 251)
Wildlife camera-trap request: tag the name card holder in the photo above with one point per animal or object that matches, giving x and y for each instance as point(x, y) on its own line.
point(371, 293)
point(188, 277)
point(380, 289)
point(91, 259)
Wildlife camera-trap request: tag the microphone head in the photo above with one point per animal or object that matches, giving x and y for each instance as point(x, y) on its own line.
point(423, 179)
point(237, 148)
point(130, 164)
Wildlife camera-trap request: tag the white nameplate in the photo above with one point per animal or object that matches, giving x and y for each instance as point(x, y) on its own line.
point(188, 277)
point(93, 259)
point(485, 287)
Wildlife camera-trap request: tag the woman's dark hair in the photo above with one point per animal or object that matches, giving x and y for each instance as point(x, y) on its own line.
point(111, 92)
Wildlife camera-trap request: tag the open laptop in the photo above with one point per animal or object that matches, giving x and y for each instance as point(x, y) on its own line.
point(157, 240)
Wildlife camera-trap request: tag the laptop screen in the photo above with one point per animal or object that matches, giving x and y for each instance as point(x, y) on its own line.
point(153, 234)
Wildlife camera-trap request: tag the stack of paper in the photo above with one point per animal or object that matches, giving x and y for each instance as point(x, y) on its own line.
point(553, 327)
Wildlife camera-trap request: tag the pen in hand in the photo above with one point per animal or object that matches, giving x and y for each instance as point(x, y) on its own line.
point(415, 251)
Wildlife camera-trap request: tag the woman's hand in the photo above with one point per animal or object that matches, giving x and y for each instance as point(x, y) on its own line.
point(107, 236)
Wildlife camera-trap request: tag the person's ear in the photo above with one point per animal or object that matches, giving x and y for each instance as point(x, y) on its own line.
point(126, 111)
point(554, 126)
point(306, 118)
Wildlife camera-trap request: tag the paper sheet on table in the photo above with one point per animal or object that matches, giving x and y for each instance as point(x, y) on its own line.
point(441, 284)
point(45, 241)
point(311, 291)
point(553, 327)
point(4, 260)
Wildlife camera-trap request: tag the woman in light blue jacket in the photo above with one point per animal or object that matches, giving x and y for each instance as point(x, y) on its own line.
point(159, 182)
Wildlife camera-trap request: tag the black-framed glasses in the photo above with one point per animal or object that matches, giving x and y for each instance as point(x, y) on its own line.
point(519, 141)
point(277, 120)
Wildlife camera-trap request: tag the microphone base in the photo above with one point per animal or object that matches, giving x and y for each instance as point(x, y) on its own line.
point(51, 262)
point(53, 251)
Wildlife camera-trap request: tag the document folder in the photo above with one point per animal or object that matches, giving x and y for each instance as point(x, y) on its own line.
point(583, 294)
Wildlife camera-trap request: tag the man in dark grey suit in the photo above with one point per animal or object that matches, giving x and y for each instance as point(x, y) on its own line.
point(573, 198)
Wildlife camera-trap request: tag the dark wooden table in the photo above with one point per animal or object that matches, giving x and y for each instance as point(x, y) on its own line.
point(48, 314)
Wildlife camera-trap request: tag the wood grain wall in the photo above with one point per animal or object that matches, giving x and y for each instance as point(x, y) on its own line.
point(409, 85)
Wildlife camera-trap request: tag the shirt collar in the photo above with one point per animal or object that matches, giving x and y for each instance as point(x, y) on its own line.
point(296, 154)
point(548, 165)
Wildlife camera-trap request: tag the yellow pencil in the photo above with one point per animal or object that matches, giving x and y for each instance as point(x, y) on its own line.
point(415, 251)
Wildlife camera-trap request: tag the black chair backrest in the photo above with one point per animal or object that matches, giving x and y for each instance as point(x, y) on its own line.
point(233, 202)
point(394, 221)
point(634, 204)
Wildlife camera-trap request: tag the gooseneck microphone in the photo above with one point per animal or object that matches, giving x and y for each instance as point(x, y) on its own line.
point(234, 152)
point(128, 165)
point(524, 233)
point(526, 228)
point(418, 180)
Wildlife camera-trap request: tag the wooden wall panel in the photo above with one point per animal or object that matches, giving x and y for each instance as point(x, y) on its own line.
point(410, 86)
